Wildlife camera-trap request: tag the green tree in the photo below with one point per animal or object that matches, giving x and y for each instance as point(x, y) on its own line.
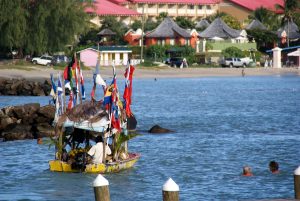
point(267, 17)
point(184, 22)
point(290, 7)
point(296, 18)
point(161, 17)
point(228, 19)
point(263, 38)
point(232, 52)
point(232, 22)
point(113, 24)
point(90, 38)
point(137, 24)
point(13, 24)
point(150, 25)
point(39, 26)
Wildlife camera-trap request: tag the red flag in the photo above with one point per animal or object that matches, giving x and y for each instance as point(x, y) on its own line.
point(128, 89)
point(70, 104)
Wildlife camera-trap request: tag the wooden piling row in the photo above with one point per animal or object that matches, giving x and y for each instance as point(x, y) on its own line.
point(170, 190)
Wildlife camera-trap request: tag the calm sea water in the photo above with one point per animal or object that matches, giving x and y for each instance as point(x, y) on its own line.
point(221, 125)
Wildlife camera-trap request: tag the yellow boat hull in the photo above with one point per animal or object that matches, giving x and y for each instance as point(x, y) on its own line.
point(61, 166)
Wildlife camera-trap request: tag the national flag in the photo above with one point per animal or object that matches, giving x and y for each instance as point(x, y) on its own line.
point(82, 83)
point(98, 80)
point(69, 71)
point(128, 89)
point(108, 95)
point(59, 100)
point(71, 101)
point(53, 88)
point(115, 120)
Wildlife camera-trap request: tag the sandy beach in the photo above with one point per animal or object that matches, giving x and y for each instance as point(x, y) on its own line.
point(41, 72)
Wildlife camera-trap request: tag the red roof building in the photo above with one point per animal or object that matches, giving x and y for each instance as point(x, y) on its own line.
point(254, 4)
point(188, 2)
point(133, 37)
point(108, 8)
point(242, 8)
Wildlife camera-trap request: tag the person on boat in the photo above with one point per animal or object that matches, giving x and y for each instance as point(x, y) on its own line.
point(96, 150)
point(274, 167)
point(247, 171)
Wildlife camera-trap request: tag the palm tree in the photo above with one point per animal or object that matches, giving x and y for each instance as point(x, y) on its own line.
point(267, 17)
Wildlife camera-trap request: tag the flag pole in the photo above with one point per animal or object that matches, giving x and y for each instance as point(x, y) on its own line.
point(63, 92)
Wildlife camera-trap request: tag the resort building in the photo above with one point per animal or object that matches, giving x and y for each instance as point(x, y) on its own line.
point(289, 31)
point(220, 36)
point(256, 24)
point(240, 9)
point(102, 8)
point(128, 11)
point(193, 9)
point(108, 54)
point(169, 33)
point(133, 38)
point(202, 24)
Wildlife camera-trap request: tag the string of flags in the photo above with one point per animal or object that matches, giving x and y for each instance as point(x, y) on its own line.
point(74, 82)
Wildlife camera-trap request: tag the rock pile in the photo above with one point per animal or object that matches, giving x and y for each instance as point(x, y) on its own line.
point(27, 121)
point(22, 87)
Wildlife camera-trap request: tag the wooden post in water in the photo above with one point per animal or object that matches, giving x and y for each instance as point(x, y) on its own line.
point(101, 189)
point(297, 183)
point(170, 191)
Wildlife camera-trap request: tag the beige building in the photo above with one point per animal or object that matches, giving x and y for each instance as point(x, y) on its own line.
point(240, 9)
point(191, 9)
point(128, 11)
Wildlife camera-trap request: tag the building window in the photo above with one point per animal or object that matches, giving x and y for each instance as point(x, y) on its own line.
point(187, 42)
point(158, 42)
point(208, 7)
point(200, 7)
point(172, 41)
point(163, 42)
point(191, 7)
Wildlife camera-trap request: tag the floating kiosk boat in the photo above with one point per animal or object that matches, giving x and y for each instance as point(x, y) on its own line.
point(79, 122)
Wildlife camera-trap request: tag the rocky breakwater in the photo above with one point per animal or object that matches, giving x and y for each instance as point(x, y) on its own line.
point(29, 121)
point(22, 87)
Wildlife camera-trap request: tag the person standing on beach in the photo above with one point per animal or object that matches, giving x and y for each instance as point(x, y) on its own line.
point(243, 72)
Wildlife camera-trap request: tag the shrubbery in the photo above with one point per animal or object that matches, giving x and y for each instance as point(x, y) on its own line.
point(160, 52)
point(232, 52)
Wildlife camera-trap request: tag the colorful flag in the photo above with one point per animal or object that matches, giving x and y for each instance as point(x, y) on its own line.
point(115, 120)
point(98, 80)
point(59, 101)
point(71, 101)
point(108, 95)
point(128, 89)
point(69, 71)
point(53, 88)
point(82, 84)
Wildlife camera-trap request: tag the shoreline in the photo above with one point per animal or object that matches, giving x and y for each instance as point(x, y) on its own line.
point(42, 73)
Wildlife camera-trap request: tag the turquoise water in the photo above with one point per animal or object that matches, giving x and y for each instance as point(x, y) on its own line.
point(221, 125)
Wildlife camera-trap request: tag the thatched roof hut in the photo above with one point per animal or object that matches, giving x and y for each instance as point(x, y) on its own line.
point(106, 32)
point(202, 24)
point(291, 29)
point(168, 29)
point(256, 24)
point(218, 29)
